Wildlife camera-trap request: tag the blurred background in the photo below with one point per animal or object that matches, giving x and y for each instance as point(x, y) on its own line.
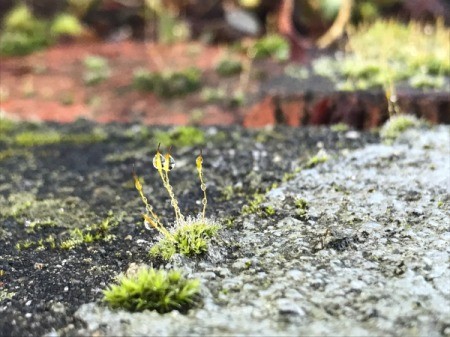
point(203, 62)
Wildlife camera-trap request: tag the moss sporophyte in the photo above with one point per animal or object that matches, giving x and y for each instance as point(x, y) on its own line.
point(189, 236)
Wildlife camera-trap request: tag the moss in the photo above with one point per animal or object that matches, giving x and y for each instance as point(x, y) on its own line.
point(320, 157)
point(96, 70)
point(213, 94)
point(88, 234)
point(189, 236)
point(168, 84)
point(181, 136)
point(271, 45)
point(189, 239)
point(66, 24)
point(50, 137)
point(376, 58)
point(253, 205)
point(396, 125)
point(36, 214)
point(6, 125)
point(339, 127)
point(22, 32)
point(228, 67)
point(13, 153)
point(269, 211)
point(425, 81)
point(150, 289)
point(301, 208)
point(6, 295)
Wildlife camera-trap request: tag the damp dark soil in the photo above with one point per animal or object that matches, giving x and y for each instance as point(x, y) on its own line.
point(82, 178)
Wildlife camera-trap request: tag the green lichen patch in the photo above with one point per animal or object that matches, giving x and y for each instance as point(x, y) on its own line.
point(190, 238)
point(150, 289)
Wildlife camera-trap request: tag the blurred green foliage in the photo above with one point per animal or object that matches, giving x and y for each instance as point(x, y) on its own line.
point(387, 52)
point(168, 84)
point(96, 69)
point(23, 33)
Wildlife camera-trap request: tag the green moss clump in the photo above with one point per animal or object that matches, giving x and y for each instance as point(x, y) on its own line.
point(339, 127)
point(181, 136)
point(396, 125)
point(168, 84)
point(189, 239)
point(301, 208)
point(189, 236)
point(320, 157)
point(37, 138)
point(66, 25)
point(229, 67)
point(96, 70)
point(150, 289)
point(271, 45)
point(253, 205)
point(73, 238)
point(90, 234)
point(50, 137)
point(22, 32)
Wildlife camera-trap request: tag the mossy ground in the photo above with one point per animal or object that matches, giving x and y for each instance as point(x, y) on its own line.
point(59, 187)
point(387, 53)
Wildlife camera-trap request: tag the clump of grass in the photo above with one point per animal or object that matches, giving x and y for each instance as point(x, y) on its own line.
point(150, 289)
point(168, 84)
point(396, 125)
point(189, 236)
point(96, 70)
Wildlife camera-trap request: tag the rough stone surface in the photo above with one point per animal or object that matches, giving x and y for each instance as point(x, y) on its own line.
point(370, 257)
